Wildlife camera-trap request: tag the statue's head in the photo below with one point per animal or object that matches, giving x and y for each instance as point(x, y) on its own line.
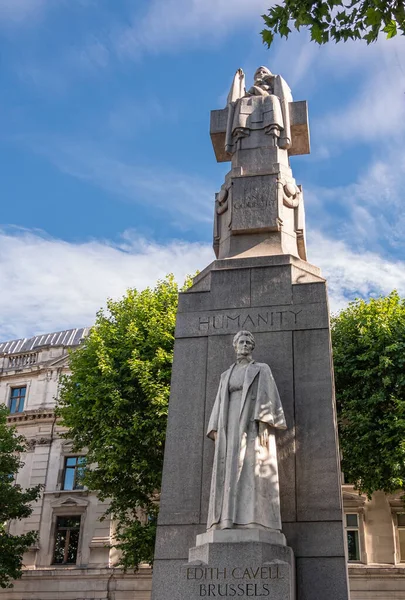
point(261, 73)
point(244, 343)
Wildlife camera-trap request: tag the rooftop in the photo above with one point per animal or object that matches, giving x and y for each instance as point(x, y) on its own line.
point(69, 337)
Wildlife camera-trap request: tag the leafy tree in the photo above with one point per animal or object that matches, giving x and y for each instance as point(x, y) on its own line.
point(336, 20)
point(115, 406)
point(14, 503)
point(369, 359)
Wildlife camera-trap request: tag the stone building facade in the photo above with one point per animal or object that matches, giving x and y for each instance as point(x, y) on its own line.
point(72, 560)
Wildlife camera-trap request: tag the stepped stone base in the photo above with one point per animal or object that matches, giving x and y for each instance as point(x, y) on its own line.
point(237, 570)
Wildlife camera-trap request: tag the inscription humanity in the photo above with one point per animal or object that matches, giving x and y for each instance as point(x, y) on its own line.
point(230, 321)
point(255, 319)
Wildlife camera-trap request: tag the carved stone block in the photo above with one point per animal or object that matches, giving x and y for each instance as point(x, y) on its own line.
point(254, 204)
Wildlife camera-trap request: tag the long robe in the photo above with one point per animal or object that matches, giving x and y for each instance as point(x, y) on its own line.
point(251, 111)
point(250, 497)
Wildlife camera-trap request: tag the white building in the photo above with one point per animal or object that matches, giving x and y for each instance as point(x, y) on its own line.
point(72, 560)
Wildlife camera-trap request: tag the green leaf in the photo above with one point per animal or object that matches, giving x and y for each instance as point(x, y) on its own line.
point(390, 29)
point(316, 33)
point(373, 16)
point(15, 503)
point(268, 37)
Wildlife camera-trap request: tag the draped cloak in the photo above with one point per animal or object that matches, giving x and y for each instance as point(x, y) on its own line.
point(252, 494)
point(248, 112)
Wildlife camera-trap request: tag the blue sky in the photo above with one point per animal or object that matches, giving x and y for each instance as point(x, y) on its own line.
point(108, 174)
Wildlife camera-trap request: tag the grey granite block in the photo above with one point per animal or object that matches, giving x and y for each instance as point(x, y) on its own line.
point(315, 539)
point(181, 485)
point(309, 293)
point(174, 541)
point(255, 319)
point(322, 579)
point(318, 474)
point(271, 286)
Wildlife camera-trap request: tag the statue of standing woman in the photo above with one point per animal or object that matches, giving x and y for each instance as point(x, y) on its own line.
point(246, 413)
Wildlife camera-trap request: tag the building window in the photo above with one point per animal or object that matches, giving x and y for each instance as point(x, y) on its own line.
point(66, 540)
point(74, 467)
point(401, 535)
point(17, 399)
point(352, 536)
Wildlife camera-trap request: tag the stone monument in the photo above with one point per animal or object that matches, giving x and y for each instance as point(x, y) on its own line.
point(251, 500)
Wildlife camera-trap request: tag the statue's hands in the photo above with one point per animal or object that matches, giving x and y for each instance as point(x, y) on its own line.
point(214, 436)
point(263, 434)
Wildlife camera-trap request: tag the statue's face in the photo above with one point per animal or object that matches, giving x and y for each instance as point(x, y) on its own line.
point(244, 346)
point(261, 73)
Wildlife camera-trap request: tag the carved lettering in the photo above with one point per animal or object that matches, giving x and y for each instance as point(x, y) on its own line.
point(295, 315)
point(213, 590)
point(235, 319)
point(203, 323)
point(218, 321)
point(241, 573)
point(246, 322)
point(263, 320)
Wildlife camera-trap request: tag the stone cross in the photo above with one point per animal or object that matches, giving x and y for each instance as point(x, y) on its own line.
point(259, 209)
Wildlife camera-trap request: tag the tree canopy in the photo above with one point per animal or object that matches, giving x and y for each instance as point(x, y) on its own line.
point(115, 406)
point(369, 359)
point(336, 20)
point(14, 503)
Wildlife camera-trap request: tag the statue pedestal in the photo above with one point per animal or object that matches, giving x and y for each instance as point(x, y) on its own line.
point(240, 535)
point(282, 300)
point(242, 570)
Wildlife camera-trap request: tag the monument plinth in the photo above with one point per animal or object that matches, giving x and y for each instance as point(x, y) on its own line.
point(251, 500)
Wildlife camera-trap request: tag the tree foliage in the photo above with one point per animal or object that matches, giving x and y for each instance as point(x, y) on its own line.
point(115, 406)
point(369, 359)
point(336, 20)
point(14, 503)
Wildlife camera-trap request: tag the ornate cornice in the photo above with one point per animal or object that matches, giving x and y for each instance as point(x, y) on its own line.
point(39, 414)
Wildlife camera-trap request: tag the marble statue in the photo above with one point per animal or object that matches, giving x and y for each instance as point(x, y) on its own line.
point(246, 413)
point(265, 106)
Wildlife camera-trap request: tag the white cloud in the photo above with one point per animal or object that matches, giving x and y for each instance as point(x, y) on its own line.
point(376, 111)
point(169, 24)
point(368, 214)
point(350, 274)
point(49, 284)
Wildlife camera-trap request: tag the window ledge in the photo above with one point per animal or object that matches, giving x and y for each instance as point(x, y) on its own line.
point(58, 493)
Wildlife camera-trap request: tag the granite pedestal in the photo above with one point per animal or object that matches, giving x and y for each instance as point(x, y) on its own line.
point(282, 300)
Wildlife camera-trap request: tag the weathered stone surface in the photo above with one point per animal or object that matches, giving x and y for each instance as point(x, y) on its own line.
point(271, 285)
point(318, 474)
point(174, 541)
point(322, 578)
point(254, 203)
point(244, 569)
point(299, 128)
point(237, 536)
point(181, 486)
point(256, 320)
point(314, 539)
point(299, 357)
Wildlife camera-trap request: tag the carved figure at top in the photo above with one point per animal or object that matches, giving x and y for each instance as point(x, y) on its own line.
point(263, 107)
